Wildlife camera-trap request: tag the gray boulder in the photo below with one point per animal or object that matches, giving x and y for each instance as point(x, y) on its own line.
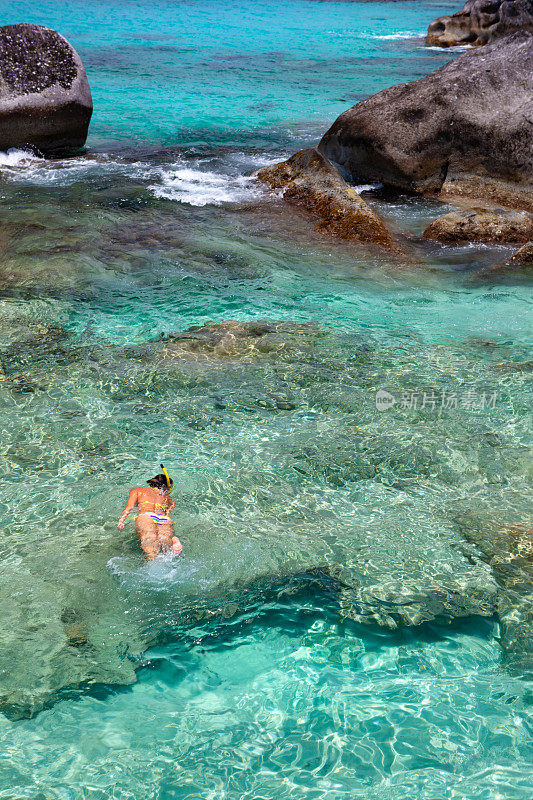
point(481, 22)
point(45, 100)
point(465, 129)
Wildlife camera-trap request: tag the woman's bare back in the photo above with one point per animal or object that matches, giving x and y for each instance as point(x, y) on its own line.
point(153, 525)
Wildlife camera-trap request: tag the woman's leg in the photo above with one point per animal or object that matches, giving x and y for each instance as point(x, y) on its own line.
point(147, 533)
point(167, 538)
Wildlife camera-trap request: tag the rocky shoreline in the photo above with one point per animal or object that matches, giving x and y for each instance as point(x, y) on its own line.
point(461, 134)
point(481, 22)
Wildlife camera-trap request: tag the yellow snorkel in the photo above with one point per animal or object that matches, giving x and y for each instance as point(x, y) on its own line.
point(169, 484)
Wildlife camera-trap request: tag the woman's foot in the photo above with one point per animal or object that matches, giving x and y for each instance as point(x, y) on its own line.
point(177, 546)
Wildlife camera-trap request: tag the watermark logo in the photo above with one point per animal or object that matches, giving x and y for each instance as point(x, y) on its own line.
point(432, 400)
point(384, 400)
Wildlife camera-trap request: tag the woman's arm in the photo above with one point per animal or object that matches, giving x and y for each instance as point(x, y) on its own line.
point(132, 502)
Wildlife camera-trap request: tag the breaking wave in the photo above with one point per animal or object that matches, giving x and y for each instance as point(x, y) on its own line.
point(183, 181)
point(197, 187)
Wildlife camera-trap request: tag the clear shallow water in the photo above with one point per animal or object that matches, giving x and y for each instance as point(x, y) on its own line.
point(283, 462)
point(287, 701)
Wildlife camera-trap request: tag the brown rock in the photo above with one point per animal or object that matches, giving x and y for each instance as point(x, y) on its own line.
point(227, 342)
point(481, 22)
point(310, 181)
point(481, 225)
point(523, 257)
point(77, 633)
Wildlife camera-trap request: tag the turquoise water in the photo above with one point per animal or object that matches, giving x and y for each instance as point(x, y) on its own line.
point(284, 702)
point(352, 613)
point(172, 71)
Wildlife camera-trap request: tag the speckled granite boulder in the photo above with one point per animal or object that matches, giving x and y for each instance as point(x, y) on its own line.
point(481, 22)
point(45, 100)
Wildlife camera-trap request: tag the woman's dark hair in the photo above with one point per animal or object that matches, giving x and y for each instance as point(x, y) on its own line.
point(159, 482)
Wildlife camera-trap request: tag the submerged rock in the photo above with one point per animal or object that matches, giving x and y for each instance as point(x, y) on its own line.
point(481, 225)
point(24, 333)
point(480, 22)
point(49, 651)
point(519, 265)
point(45, 100)
point(515, 366)
point(508, 549)
point(247, 514)
point(464, 129)
point(237, 339)
point(310, 181)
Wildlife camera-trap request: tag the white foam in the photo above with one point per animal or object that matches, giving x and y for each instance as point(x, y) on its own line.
point(185, 182)
point(402, 35)
point(24, 166)
point(200, 188)
point(367, 187)
point(18, 159)
point(257, 160)
point(454, 49)
point(164, 571)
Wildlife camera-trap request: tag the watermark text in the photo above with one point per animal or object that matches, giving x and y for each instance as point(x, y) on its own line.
point(436, 400)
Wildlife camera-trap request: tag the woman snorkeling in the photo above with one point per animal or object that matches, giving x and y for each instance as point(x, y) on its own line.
point(154, 527)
